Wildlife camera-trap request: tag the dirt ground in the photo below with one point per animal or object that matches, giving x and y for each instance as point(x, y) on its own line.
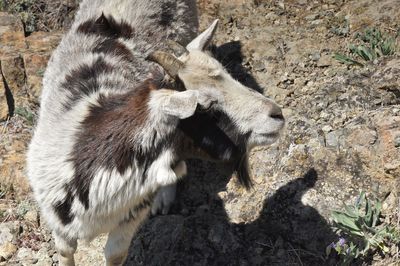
point(342, 137)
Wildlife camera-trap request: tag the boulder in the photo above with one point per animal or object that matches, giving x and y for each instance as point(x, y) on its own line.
point(3, 100)
point(12, 35)
point(13, 71)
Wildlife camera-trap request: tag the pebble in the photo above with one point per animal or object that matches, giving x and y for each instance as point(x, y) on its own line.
point(7, 250)
point(315, 56)
point(312, 17)
point(327, 128)
point(271, 16)
point(32, 216)
point(324, 61)
point(331, 139)
point(26, 256)
point(397, 141)
point(7, 232)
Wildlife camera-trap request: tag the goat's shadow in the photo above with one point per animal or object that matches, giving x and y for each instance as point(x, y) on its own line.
point(198, 230)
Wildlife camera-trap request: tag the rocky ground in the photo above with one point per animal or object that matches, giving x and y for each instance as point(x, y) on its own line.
point(342, 137)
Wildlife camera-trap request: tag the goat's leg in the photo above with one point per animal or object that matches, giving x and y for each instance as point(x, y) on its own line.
point(166, 194)
point(66, 249)
point(119, 239)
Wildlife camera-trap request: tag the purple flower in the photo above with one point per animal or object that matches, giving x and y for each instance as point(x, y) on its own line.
point(332, 245)
point(341, 241)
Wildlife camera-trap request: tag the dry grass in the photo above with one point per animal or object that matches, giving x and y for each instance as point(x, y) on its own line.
point(42, 15)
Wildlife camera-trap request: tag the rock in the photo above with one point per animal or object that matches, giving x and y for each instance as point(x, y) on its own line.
point(386, 75)
point(327, 128)
point(388, 129)
point(12, 35)
point(14, 75)
point(312, 17)
point(325, 60)
point(8, 232)
point(315, 56)
point(259, 65)
point(3, 101)
point(271, 16)
point(35, 66)
point(32, 217)
point(7, 250)
point(43, 42)
point(55, 258)
point(26, 256)
point(43, 257)
point(44, 262)
point(331, 139)
point(397, 141)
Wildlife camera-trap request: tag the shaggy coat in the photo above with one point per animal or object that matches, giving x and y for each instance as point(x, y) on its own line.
point(112, 131)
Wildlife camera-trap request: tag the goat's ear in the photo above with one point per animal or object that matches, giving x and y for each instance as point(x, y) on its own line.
point(204, 39)
point(181, 104)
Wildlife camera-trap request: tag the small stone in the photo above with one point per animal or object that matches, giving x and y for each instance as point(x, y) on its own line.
point(7, 250)
point(32, 216)
point(316, 22)
point(327, 128)
point(55, 258)
point(312, 17)
point(324, 61)
point(315, 56)
point(331, 140)
point(397, 141)
point(7, 232)
point(26, 256)
point(271, 16)
point(287, 112)
point(43, 257)
point(259, 65)
point(45, 262)
point(324, 115)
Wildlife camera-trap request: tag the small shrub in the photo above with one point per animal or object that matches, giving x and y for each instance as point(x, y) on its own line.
point(41, 15)
point(362, 232)
point(372, 44)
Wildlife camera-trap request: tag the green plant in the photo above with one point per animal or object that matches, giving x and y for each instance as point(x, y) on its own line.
point(25, 113)
point(372, 44)
point(22, 208)
point(362, 232)
point(40, 72)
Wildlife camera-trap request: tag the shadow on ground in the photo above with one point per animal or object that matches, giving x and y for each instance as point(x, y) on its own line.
point(198, 230)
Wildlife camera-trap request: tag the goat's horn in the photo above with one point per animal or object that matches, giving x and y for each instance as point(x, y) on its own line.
point(170, 63)
point(177, 48)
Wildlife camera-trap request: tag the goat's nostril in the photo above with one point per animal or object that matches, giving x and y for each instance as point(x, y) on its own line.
point(277, 116)
point(276, 113)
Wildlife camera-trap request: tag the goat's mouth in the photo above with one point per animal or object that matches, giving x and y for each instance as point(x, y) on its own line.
point(272, 135)
point(260, 139)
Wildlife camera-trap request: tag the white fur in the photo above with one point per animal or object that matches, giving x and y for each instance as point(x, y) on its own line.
point(113, 196)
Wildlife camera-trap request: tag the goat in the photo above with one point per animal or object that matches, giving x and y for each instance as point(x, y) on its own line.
point(110, 126)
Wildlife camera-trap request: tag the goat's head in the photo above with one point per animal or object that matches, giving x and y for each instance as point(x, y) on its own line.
point(252, 117)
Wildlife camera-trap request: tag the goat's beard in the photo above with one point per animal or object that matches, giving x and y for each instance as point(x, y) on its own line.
point(204, 139)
